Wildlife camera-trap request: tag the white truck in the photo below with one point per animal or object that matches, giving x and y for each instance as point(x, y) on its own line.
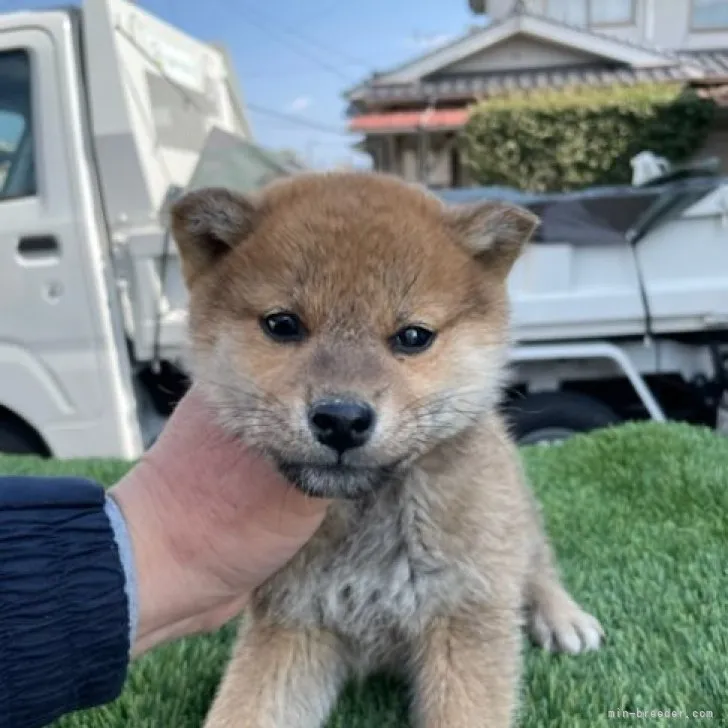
point(106, 113)
point(620, 305)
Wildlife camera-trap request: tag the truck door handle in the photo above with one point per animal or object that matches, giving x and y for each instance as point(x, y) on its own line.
point(38, 246)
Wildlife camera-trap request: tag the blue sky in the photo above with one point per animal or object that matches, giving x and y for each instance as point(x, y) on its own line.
point(297, 56)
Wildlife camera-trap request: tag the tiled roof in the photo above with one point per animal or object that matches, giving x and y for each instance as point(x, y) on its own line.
point(474, 85)
point(713, 62)
point(691, 66)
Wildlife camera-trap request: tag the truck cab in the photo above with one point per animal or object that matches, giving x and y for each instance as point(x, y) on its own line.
point(106, 114)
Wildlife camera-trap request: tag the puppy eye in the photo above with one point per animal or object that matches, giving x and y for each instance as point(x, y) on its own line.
point(284, 327)
point(412, 339)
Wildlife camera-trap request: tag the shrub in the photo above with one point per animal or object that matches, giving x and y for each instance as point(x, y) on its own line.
point(565, 140)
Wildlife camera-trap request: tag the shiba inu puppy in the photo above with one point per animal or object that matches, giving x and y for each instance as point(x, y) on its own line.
point(354, 329)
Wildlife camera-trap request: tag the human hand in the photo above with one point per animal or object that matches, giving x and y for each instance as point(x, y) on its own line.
point(209, 521)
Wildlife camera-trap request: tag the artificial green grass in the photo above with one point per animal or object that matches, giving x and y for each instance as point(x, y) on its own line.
point(639, 519)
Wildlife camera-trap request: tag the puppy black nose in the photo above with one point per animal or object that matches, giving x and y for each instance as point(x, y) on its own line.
point(341, 424)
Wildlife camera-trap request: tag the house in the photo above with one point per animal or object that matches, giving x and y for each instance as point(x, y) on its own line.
point(410, 116)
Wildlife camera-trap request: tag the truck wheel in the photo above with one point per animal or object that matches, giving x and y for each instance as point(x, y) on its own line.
point(551, 417)
point(16, 438)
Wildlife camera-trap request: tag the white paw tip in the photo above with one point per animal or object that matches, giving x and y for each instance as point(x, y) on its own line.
point(569, 641)
point(592, 635)
point(580, 633)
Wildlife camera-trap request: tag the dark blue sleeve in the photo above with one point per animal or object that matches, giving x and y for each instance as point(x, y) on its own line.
point(64, 622)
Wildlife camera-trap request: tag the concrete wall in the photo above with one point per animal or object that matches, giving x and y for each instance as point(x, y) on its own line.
point(654, 24)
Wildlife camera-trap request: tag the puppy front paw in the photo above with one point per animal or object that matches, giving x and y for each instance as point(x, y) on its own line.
point(563, 626)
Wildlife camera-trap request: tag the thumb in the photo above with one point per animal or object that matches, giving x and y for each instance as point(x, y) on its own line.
point(290, 512)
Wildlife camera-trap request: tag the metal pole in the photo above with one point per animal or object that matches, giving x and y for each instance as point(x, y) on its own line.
point(423, 172)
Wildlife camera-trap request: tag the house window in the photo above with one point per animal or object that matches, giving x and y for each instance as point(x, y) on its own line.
point(592, 12)
point(710, 14)
point(611, 12)
point(573, 12)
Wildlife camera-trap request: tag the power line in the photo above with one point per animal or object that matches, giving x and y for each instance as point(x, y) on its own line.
point(313, 42)
point(283, 73)
point(301, 50)
point(300, 120)
point(327, 9)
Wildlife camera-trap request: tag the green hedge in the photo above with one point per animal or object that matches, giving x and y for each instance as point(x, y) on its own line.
point(565, 140)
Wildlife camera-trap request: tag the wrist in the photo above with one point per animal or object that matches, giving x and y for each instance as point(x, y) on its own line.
point(172, 593)
point(126, 556)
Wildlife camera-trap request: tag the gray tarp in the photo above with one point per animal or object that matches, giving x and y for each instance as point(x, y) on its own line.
point(599, 215)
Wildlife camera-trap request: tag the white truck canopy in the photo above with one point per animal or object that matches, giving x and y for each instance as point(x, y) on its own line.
point(166, 115)
point(154, 95)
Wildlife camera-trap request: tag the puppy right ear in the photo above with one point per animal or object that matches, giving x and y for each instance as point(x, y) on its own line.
point(208, 223)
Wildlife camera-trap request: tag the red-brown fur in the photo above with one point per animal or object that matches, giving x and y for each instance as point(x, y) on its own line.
point(433, 547)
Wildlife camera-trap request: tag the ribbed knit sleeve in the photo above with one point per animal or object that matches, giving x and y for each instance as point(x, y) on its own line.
point(64, 615)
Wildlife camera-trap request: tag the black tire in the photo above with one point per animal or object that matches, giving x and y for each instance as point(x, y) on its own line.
point(17, 438)
point(549, 417)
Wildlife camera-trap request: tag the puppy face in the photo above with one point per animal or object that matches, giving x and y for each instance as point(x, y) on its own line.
point(346, 324)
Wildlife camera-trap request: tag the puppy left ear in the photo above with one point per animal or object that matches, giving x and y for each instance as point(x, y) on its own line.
point(494, 232)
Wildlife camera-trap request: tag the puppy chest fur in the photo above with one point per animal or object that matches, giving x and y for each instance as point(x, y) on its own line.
point(373, 575)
